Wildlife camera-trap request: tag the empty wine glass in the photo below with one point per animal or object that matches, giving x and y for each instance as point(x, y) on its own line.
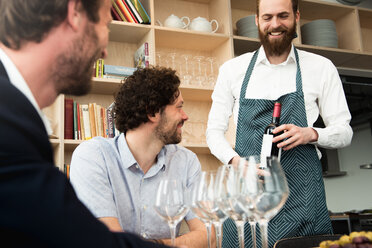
point(158, 59)
point(211, 76)
point(170, 203)
point(172, 57)
point(200, 76)
point(248, 189)
point(206, 200)
point(227, 191)
point(271, 194)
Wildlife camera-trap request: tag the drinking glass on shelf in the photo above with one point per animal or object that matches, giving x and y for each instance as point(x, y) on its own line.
point(159, 59)
point(170, 203)
point(187, 75)
point(271, 194)
point(172, 57)
point(212, 78)
point(227, 191)
point(200, 77)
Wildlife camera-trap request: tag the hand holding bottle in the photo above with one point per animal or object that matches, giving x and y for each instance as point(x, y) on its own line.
point(293, 136)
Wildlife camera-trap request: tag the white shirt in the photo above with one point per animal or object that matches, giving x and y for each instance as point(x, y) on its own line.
point(321, 85)
point(19, 82)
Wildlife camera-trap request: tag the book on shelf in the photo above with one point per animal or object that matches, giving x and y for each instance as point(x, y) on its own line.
point(115, 15)
point(69, 118)
point(66, 170)
point(118, 70)
point(86, 121)
point(92, 119)
point(81, 124)
point(110, 121)
point(125, 11)
point(141, 10)
point(118, 11)
point(141, 56)
point(76, 137)
point(99, 67)
point(130, 11)
point(134, 11)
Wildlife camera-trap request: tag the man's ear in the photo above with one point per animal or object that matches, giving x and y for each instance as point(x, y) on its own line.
point(154, 118)
point(74, 14)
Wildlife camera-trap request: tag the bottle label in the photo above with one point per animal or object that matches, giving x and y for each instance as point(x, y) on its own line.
point(267, 143)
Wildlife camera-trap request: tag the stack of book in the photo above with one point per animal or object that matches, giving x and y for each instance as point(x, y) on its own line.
point(85, 121)
point(129, 11)
point(117, 71)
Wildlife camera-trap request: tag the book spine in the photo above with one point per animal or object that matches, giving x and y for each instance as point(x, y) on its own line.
point(115, 14)
point(134, 11)
point(125, 11)
point(92, 120)
point(130, 11)
point(69, 118)
point(110, 121)
point(104, 125)
point(142, 11)
point(75, 121)
point(99, 120)
point(82, 131)
point(116, 7)
point(86, 119)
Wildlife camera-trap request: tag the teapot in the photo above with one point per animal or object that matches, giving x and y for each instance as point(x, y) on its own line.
point(174, 21)
point(202, 24)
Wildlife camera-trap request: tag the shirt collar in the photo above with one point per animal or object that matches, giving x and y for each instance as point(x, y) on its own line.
point(17, 80)
point(129, 161)
point(262, 59)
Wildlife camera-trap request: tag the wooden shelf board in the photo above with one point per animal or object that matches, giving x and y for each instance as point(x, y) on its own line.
point(188, 40)
point(197, 148)
point(54, 142)
point(70, 144)
point(243, 5)
point(127, 32)
point(196, 94)
point(105, 86)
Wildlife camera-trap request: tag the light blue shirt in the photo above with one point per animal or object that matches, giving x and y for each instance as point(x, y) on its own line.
point(109, 181)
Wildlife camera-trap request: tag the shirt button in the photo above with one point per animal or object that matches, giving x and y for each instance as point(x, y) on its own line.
point(144, 207)
point(144, 235)
point(137, 166)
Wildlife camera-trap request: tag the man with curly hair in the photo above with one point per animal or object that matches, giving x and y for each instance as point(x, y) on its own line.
point(117, 178)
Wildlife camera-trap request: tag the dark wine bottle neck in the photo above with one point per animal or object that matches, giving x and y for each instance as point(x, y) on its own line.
point(276, 120)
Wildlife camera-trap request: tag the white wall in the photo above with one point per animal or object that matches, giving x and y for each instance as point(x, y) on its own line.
point(353, 191)
point(364, 4)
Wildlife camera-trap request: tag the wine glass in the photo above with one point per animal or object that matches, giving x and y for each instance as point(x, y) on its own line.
point(187, 76)
point(248, 189)
point(200, 76)
point(170, 203)
point(206, 200)
point(227, 191)
point(271, 194)
point(212, 76)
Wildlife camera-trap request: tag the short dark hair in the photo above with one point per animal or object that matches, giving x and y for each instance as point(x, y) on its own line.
point(31, 20)
point(294, 6)
point(147, 92)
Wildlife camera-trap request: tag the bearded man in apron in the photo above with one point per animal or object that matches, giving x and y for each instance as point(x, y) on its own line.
point(307, 85)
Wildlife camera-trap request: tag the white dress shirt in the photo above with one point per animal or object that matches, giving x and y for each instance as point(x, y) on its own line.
point(19, 82)
point(322, 87)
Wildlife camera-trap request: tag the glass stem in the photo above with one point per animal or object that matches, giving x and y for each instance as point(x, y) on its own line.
point(253, 231)
point(218, 227)
point(172, 227)
point(240, 227)
point(263, 228)
point(208, 225)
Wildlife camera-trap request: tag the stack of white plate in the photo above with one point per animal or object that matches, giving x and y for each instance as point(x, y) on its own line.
point(320, 32)
point(247, 27)
point(350, 2)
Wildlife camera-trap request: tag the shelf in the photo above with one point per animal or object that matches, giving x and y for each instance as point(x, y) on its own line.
point(127, 32)
point(365, 17)
point(334, 174)
point(188, 40)
point(105, 86)
point(54, 142)
point(197, 148)
point(244, 44)
point(196, 94)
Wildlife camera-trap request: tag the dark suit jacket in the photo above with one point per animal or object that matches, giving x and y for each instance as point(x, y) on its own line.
point(38, 206)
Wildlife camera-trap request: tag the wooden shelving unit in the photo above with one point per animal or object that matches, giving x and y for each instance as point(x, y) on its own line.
point(353, 24)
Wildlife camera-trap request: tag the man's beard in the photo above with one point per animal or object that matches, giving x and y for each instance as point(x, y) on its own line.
point(74, 70)
point(277, 47)
point(168, 137)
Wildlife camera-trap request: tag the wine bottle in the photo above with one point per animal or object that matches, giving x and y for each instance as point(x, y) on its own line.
point(268, 147)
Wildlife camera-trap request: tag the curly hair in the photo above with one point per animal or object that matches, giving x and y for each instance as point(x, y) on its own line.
point(144, 94)
point(31, 20)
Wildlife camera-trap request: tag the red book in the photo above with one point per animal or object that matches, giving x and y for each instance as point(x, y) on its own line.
point(69, 118)
point(115, 14)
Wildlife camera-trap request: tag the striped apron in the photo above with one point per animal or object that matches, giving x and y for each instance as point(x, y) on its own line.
point(305, 212)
